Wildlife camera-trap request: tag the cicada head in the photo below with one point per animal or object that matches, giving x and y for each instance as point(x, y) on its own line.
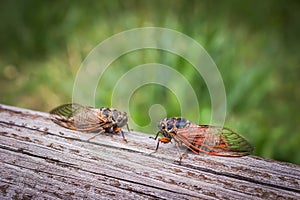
point(120, 118)
point(169, 126)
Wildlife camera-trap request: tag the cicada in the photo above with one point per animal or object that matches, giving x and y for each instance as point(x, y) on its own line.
point(213, 140)
point(88, 119)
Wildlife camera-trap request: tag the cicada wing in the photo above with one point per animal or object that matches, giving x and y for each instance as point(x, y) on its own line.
point(215, 140)
point(236, 143)
point(67, 110)
point(77, 117)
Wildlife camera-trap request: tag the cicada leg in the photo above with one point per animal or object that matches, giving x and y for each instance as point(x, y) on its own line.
point(181, 155)
point(119, 130)
point(154, 138)
point(123, 136)
point(100, 132)
point(163, 140)
point(127, 127)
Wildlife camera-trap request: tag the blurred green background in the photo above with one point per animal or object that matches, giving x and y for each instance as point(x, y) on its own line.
point(255, 45)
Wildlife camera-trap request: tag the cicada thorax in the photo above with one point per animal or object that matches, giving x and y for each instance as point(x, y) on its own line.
point(87, 119)
point(207, 139)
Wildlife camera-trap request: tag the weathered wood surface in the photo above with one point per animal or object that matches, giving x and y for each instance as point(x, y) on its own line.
point(41, 160)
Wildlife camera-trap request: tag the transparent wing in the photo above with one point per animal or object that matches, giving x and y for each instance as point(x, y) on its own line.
point(214, 140)
point(77, 117)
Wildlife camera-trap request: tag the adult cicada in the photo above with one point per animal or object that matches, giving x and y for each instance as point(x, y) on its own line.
point(88, 119)
point(213, 140)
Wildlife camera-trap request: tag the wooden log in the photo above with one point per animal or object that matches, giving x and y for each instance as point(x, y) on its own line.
point(41, 160)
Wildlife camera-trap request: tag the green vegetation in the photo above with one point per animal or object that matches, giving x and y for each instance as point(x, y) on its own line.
point(255, 45)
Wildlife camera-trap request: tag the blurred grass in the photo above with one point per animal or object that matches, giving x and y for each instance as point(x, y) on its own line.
point(255, 45)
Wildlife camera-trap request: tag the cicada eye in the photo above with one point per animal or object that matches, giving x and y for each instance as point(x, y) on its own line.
point(119, 119)
point(106, 112)
point(163, 126)
point(180, 123)
point(170, 127)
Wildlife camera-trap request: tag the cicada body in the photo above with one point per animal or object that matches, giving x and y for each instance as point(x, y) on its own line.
point(213, 140)
point(87, 119)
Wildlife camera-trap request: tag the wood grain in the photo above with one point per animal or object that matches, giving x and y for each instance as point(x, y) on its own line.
point(41, 160)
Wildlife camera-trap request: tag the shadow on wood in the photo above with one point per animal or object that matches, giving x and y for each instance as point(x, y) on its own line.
point(43, 160)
